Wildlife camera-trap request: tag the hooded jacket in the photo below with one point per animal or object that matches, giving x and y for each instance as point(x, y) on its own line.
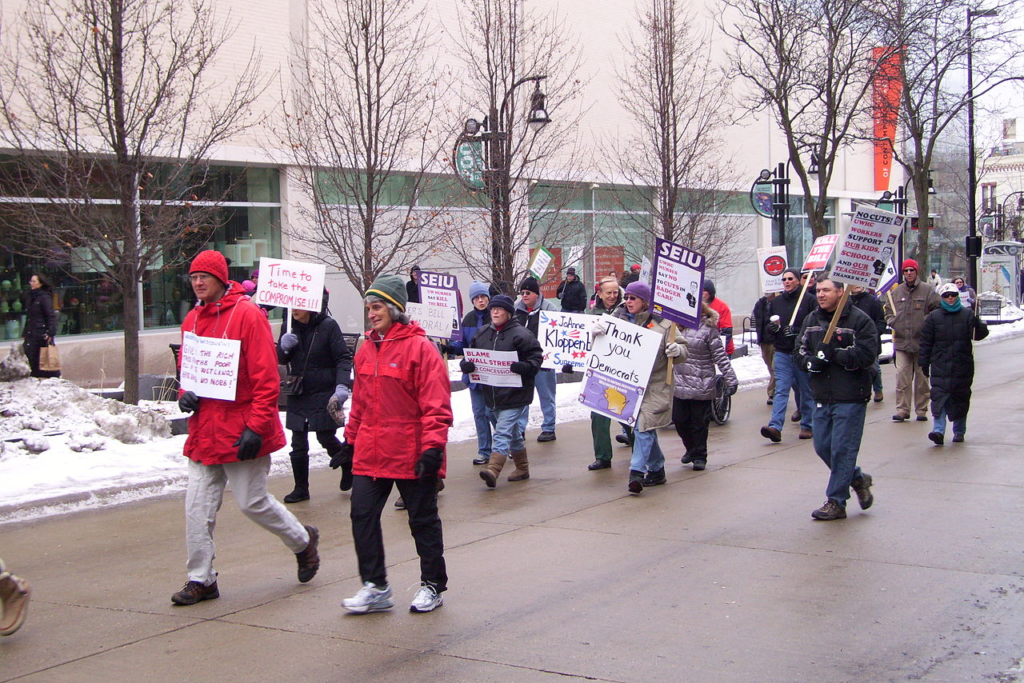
point(401, 403)
point(656, 407)
point(695, 378)
point(907, 318)
point(40, 317)
point(947, 349)
point(511, 337)
point(217, 424)
point(471, 324)
point(724, 314)
point(573, 295)
point(323, 359)
point(846, 379)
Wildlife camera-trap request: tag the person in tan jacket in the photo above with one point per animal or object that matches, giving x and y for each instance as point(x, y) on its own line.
point(905, 311)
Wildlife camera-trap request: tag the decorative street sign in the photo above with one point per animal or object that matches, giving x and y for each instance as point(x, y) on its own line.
point(469, 162)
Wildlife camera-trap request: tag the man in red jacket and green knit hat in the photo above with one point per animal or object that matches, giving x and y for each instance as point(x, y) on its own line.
point(230, 441)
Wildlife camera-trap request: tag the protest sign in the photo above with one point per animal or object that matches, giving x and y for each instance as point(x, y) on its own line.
point(291, 284)
point(678, 283)
point(436, 321)
point(492, 367)
point(645, 271)
point(890, 278)
point(442, 290)
point(618, 369)
point(209, 366)
point(867, 247)
point(540, 261)
point(565, 339)
point(820, 253)
point(771, 262)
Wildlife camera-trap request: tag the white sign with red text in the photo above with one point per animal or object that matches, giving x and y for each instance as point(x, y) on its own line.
point(493, 367)
point(771, 262)
point(868, 247)
point(821, 252)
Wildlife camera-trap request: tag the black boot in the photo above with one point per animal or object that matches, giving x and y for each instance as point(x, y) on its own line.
point(300, 470)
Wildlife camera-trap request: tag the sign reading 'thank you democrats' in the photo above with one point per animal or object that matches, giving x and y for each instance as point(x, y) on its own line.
point(618, 369)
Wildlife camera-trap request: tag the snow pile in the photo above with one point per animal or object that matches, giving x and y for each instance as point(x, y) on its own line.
point(1007, 310)
point(15, 365)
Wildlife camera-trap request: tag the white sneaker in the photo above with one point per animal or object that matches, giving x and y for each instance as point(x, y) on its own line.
point(427, 599)
point(369, 599)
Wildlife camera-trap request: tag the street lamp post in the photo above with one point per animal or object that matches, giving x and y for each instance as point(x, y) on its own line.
point(973, 243)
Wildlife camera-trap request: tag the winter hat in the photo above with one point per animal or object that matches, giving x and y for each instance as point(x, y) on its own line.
point(390, 288)
point(530, 284)
point(709, 287)
point(414, 268)
point(211, 262)
point(255, 274)
point(502, 301)
point(910, 263)
point(249, 286)
point(478, 289)
point(571, 271)
point(635, 266)
point(796, 273)
point(639, 290)
point(949, 288)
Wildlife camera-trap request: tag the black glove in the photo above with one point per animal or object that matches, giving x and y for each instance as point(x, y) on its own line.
point(789, 331)
point(429, 464)
point(729, 391)
point(773, 327)
point(467, 366)
point(567, 368)
point(815, 364)
point(449, 349)
point(189, 402)
point(521, 367)
point(249, 445)
point(826, 352)
point(344, 456)
point(926, 370)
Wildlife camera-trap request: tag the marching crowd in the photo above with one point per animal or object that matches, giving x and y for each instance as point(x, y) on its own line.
point(818, 342)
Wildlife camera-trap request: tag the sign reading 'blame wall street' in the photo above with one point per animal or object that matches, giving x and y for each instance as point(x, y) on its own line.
point(291, 284)
point(565, 338)
point(678, 283)
point(618, 369)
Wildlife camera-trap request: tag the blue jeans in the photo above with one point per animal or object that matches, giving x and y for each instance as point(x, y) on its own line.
point(545, 383)
point(876, 376)
point(647, 455)
point(508, 430)
point(787, 377)
point(959, 426)
point(484, 419)
point(838, 428)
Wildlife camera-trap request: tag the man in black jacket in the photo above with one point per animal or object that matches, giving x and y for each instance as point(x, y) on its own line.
point(508, 404)
point(573, 293)
point(760, 318)
point(783, 335)
point(841, 385)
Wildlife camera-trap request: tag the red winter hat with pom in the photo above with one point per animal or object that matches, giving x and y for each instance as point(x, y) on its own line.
point(211, 262)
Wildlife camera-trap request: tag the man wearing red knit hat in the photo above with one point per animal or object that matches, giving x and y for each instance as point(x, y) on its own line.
point(905, 311)
point(230, 441)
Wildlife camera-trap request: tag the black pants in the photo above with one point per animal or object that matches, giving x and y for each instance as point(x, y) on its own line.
point(32, 349)
point(369, 496)
point(691, 419)
point(327, 438)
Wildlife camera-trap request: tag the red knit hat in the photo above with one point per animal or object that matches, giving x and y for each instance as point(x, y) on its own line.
point(910, 263)
point(211, 262)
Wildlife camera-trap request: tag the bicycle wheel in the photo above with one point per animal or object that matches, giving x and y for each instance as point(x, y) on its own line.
point(721, 405)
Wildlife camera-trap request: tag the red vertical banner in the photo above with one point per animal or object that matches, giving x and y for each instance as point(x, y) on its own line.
point(887, 88)
point(609, 259)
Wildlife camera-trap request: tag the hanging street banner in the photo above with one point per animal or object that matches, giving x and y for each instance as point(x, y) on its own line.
point(771, 262)
point(539, 262)
point(492, 367)
point(820, 253)
point(291, 284)
point(565, 338)
point(618, 369)
point(441, 290)
point(209, 365)
point(867, 247)
point(890, 278)
point(436, 321)
point(678, 283)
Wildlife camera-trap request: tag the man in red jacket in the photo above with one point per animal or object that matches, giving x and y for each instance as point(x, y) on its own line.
point(229, 441)
point(396, 435)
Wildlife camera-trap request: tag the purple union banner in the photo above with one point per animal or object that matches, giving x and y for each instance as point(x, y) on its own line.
point(678, 283)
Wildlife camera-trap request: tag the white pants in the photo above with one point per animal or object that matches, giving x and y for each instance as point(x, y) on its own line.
point(205, 493)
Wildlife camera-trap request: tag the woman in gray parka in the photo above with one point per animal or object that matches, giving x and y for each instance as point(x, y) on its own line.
point(695, 387)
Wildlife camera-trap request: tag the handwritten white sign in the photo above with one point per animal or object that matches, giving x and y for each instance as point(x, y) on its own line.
point(209, 366)
point(618, 369)
point(291, 284)
point(565, 338)
point(542, 258)
point(492, 367)
point(436, 321)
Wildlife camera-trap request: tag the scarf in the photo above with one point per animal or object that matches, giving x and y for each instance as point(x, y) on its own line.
point(953, 307)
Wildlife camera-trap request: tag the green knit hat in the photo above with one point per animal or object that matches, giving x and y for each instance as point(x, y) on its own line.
point(390, 288)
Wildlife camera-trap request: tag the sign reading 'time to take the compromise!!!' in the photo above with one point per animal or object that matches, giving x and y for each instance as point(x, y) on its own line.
point(678, 281)
point(618, 369)
point(291, 284)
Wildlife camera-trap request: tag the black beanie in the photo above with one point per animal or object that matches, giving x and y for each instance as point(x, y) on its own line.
point(709, 287)
point(530, 284)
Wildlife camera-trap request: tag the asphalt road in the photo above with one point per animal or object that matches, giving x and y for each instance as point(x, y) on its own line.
point(717, 576)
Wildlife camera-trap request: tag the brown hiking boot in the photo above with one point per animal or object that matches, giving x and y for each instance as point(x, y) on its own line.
point(193, 592)
point(522, 470)
point(490, 473)
point(829, 511)
point(14, 595)
point(772, 434)
point(862, 487)
point(309, 559)
point(805, 433)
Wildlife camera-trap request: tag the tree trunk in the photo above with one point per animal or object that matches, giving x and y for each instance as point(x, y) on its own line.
point(131, 342)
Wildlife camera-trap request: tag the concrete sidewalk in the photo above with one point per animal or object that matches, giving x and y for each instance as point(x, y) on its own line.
point(717, 576)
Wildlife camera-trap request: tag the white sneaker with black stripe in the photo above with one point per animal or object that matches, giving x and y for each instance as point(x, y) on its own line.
point(427, 599)
point(369, 599)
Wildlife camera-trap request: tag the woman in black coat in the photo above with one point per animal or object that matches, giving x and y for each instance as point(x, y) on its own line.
point(40, 323)
point(947, 356)
point(316, 350)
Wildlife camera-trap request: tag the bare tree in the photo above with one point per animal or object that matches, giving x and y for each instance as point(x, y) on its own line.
point(680, 105)
point(929, 70)
point(810, 64)
point(504, 46)
point(111, 109)
point(360, 123)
